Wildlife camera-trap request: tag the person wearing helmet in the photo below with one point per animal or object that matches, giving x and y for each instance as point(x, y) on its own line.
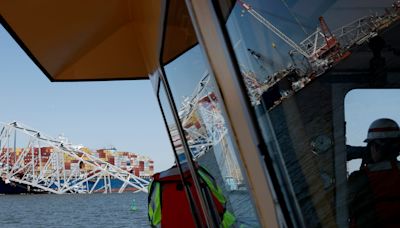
point(374, 190)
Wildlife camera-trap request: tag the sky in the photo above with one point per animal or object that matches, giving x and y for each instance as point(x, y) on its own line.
point(363, 106)
point(178, 75)
point(121, 114)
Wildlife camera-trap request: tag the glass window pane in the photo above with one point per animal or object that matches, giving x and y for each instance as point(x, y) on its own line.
point(377, 103)
point(172, 128)
point(181, 167)
point(211, 144)
point(180, 33)
point(298, 60)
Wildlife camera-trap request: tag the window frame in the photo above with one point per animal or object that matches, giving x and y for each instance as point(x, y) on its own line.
point(209, 27)
point(162, 81)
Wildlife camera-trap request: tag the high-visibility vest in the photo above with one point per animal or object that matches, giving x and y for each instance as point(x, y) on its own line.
point(385, 186)
point(167, 201)
point(377, 201)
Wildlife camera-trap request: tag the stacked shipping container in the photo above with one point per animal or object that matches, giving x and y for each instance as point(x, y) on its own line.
point(138, 165)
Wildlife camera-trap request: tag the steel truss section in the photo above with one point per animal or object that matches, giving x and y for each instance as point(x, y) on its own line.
point(202, 118)
point(205, 127)
point(27, 165)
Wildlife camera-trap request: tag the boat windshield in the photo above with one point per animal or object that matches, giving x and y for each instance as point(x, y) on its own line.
point(309, 67)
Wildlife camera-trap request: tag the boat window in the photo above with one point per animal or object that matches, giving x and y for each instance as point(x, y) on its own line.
point(203, 119)
point(180, 33)
point(298, 60)
point(171, 124)
point(180, 158)
point(362, 107)
point(202, 116)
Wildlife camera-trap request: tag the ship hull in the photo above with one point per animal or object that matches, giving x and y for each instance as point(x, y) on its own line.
point(13, 188)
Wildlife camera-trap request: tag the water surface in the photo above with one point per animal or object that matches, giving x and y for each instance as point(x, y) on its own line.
point(73, 210)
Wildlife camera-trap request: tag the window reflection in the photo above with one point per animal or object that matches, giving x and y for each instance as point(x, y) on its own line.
point(203, 119)
point(180, 33)
point(171, 124)
point(290, 47)
point(180, 166)
point(298, 60)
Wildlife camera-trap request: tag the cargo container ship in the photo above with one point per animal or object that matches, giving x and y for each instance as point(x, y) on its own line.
point(72, 170)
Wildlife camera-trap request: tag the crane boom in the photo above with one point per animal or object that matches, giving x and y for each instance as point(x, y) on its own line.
point(275, 30)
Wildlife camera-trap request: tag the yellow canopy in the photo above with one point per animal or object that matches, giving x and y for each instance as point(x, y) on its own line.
point(74, 40)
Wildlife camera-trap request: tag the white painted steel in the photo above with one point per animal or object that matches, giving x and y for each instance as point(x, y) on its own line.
point(204, 108)
point(52, 176)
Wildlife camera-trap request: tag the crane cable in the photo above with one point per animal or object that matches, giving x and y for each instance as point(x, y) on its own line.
point(294, 16)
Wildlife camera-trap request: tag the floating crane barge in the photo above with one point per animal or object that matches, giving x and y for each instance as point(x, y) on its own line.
point(322, 51)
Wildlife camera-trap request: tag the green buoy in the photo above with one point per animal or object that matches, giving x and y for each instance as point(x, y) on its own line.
point(133, 205)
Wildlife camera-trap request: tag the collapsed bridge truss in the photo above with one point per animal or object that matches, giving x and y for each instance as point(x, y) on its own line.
point(25, 161)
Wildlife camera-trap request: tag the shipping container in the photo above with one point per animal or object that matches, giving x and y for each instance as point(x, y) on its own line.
point(136, 171)
point(111, 160)
point(102, 154)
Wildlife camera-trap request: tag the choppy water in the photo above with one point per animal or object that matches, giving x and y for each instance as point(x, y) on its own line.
point(78, 210)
